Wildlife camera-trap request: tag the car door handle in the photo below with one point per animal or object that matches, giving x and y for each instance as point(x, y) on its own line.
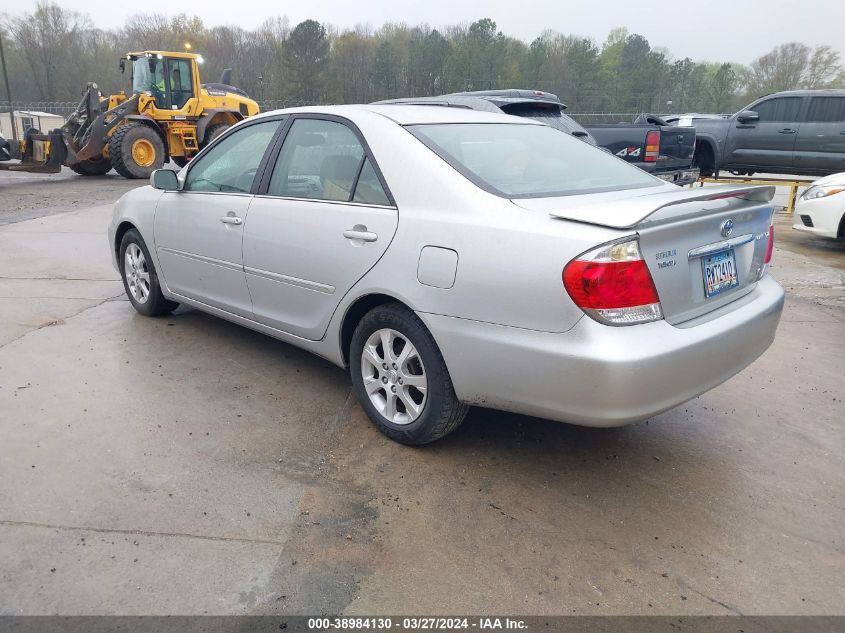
point(360, 234)
point(231, 219)
point(786, 130)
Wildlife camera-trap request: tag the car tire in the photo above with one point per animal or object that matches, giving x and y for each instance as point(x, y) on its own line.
point(389, 391)
point(92, 167)
point(214, 131)
point(140, 280)
point(704, 159)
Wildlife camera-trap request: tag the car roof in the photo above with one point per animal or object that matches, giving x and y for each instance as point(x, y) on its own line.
point(834, 92)
point(489, 100)
point(410, 114)
point(511, 96)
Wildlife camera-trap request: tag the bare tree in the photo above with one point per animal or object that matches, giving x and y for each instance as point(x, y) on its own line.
point(45, 38)
point(823, 68)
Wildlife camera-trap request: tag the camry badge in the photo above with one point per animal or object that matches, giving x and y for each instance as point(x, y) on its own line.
point(727, 228)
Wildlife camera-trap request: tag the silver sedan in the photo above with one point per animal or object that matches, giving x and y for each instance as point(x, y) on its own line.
point(451, 258)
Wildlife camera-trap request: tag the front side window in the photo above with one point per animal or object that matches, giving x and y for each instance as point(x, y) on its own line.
point(529, 161)
point(230, 165)
point(780, 110)
point(826, 110)
point(319, 160)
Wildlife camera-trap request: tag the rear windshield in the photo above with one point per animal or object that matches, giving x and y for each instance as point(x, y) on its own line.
point(546, 114)
point(529, 161)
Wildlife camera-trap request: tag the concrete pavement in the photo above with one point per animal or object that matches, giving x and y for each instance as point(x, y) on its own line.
point(185, 465)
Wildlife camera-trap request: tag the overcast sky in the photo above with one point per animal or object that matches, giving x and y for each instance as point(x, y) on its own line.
point(712, 30)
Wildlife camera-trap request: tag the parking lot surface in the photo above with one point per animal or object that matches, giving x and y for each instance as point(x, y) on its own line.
point(185, 465)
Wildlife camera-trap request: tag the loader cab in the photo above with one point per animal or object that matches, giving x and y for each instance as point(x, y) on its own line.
point(171, 79)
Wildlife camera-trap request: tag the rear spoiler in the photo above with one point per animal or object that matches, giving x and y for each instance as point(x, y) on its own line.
point(627, 213)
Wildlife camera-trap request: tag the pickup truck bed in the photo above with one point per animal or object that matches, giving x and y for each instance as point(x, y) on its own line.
point(663, 150)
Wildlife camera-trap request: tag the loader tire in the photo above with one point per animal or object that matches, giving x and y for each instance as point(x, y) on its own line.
point(213, 132)
point(94, 167)
point(136, 150)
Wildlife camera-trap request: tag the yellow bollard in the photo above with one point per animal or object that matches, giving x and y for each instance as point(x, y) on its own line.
point(793, 194)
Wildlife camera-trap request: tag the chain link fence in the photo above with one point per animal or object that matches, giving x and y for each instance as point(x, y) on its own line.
point(61, 108)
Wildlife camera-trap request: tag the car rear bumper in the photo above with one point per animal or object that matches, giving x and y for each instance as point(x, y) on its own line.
point(679, 177)
point(598, 375)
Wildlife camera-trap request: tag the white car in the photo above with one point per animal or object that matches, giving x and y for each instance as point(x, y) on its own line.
point(821, 209)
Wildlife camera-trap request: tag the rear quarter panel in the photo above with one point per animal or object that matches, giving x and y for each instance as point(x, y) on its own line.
point(510, 260)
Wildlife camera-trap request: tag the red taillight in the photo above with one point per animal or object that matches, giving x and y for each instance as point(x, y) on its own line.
point(652, 146)
point(598, 286)
point(613, 285)
point(770, 247)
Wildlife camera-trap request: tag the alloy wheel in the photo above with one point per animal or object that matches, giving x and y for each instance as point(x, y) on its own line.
point(136, 273)
point(394, 376)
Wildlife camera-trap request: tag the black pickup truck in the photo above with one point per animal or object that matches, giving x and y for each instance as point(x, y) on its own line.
point(652, 145)
point(799, 132)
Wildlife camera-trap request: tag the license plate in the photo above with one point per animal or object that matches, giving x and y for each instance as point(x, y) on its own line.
point(719, 272)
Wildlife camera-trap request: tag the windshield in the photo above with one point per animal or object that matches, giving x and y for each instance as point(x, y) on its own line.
point(529, 161)
point(146, 79)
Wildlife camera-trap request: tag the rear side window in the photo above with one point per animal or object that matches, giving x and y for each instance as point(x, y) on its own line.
point(369, 189)
point(826, 110)
point(529, 161)
point(782, 109)
point(324, 160)
point(319, 160)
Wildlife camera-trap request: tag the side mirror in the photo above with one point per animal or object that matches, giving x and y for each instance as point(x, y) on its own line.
point(164, 179)
point(748, 116)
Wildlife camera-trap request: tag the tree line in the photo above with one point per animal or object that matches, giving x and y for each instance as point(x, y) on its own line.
point(53, 52)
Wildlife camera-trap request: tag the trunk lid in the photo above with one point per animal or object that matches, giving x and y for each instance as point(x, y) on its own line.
point(680, 232)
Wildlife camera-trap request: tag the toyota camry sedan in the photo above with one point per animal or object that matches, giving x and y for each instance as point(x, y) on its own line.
point(451, 258)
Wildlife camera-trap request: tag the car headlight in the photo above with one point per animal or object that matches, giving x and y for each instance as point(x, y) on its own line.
point(821, 191)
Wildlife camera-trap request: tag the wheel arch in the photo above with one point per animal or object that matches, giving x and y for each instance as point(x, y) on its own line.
point(121, 230)
point(215, 116)
point(710, 144)
point(355, 312)
point(147, 120)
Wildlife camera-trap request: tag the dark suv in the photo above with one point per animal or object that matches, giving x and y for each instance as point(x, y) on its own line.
point(534, 104)
point(798, 132)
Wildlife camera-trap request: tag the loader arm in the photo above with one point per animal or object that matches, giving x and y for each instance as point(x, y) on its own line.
point(87, 130)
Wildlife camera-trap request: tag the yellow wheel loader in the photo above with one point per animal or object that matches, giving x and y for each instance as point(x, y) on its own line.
point(169, 115)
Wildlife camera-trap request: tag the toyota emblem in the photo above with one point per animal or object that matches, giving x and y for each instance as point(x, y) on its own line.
point(727, 228)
